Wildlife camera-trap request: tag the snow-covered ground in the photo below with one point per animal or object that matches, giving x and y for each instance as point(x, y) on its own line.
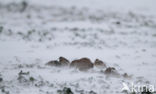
point(122, 33)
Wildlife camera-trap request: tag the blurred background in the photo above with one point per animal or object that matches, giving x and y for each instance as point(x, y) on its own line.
point(122, 33)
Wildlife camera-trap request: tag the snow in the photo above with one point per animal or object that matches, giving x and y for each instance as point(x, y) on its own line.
point(119, 32)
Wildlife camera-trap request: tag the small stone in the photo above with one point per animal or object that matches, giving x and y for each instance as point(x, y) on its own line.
point(67, 91)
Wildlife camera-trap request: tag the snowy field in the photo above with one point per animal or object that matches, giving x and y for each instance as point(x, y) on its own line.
point(122, 33)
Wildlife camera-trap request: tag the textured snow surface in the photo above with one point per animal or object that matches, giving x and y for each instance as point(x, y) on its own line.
point(122, 33)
